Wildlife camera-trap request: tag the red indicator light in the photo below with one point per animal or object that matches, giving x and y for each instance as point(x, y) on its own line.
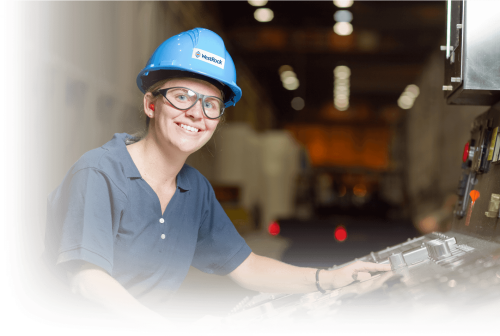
point(340, 233)
point(273, 228)
point(466, 152)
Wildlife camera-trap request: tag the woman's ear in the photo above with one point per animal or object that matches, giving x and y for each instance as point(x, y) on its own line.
point(149, 105)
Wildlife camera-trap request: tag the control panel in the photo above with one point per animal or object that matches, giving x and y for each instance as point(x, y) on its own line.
point(476, 212)
point(439, 271)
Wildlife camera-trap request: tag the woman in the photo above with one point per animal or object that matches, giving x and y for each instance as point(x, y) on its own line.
point(131, 217)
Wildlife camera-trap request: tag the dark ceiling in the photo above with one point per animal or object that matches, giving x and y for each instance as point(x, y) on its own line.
point(387, 50)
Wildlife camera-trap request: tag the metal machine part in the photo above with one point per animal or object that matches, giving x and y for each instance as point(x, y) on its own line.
point(472, 73)
point(448, 271)
point(437, 249)
point(397, 261)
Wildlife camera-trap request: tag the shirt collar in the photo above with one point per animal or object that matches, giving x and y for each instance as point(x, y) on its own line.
point(182, 179)
point(129, 167)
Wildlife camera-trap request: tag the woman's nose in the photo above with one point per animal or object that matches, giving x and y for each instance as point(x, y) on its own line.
point(196, 111)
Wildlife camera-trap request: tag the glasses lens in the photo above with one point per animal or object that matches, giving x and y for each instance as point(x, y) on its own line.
point(213, 107)
point(181, 98)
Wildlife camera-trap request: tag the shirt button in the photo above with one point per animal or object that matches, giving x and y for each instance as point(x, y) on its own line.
point(162, 236)
point(162, 220)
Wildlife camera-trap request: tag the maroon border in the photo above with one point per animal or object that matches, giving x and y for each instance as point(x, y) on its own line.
point(32, 310)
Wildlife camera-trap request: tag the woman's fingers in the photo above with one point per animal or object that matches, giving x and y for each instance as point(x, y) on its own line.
point(362, 276)
point(362, 266)
point(359, 270)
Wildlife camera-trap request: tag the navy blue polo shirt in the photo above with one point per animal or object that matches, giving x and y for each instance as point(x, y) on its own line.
point(104, 213)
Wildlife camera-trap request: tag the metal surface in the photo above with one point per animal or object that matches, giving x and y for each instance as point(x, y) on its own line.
point(437, 249)
point(468, 272)
point(397, 261)
point(472, 70)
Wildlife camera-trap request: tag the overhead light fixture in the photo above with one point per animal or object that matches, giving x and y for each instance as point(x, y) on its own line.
point(298, 103)
point(407, 98)
point(341, 84)
point(342, 16)
point(342, 28)
point(288, 77)
point(343, 3)
point(263, 14)
point(342, 72)
point(284, 68)
point(413, 90)
point(285, 74)
point(257, 3)
point(291, 83)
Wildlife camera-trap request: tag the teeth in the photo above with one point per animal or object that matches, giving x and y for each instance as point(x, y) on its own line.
point(189, 128)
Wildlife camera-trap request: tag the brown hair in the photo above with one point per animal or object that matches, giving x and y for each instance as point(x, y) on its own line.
point(137, 136)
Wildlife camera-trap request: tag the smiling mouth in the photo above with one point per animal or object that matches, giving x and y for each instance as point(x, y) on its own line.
point(189, 128)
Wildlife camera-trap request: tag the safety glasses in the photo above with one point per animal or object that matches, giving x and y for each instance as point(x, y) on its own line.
point(184, 98)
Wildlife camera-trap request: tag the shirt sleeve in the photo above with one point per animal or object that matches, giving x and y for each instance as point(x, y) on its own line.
point(89, 210)
point(220, 248)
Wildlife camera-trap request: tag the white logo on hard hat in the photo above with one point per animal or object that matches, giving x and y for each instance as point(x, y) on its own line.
point(208, 57)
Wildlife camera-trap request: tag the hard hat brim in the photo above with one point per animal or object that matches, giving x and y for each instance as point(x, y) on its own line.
point(232, 93)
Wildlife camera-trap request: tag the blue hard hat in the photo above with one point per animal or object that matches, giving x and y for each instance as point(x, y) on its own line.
point(202, 54)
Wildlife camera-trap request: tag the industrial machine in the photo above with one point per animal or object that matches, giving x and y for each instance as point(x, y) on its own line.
point(449, 279)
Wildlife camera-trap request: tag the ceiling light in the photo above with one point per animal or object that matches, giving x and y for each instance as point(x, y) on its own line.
point(342, 28)
point(341, 90)
point(289, 80)
point(342, 106)
point(342, 81)
point(286, 74)
point(342, 16)
point(341, 87)
point(341, 97)
point(408, 97)
point(412, 88)
point(298, 103)
point(257, 3)
point(405, 102)
point(263, 14)
point(409, 94)
point(284, 68)
point(341, 72)
point(292, 85)
point(343, 3)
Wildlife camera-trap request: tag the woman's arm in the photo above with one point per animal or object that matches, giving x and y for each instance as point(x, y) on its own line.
point(96, 285)
point(268, 275)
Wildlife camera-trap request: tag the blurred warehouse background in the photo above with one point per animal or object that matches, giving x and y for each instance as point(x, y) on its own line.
point(342, 143)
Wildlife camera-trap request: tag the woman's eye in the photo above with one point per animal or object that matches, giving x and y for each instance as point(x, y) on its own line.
point(208, 105)
point(182, 97)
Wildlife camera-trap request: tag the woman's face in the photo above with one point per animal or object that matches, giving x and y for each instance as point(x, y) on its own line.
point(170, 123)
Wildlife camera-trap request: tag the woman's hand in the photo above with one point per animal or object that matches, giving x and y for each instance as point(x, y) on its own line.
point(268, 275)
point(358, 270)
